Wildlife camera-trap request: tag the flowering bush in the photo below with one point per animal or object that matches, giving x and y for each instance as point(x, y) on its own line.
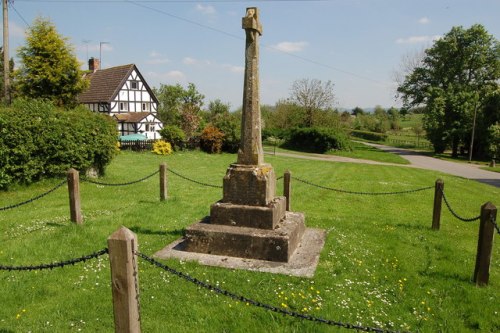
point(161, 147)
point(211, 139)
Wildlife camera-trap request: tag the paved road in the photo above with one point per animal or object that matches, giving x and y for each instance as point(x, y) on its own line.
point(470, 171)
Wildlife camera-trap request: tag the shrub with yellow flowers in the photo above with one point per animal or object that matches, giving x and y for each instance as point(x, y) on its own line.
point(161, 147)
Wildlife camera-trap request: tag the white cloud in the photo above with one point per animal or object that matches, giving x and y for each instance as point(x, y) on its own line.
point(207, 10)
point(193, 61)
point(424, 20)
point(290, 47)
point(234, 69)
point(156, 58)
point(189, 61)
point(176, 76)
point(16, 30)
point(417, 39)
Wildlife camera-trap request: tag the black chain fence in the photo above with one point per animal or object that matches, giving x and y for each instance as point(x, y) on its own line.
point(259, 304)
point(494, 222)
point(193, 180)
point(55, 264)
point(363, 193)
point(463, 219)
point(34, 198)
point(121, 184)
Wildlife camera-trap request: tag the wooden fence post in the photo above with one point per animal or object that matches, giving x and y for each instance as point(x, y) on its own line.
point(485, 244)
point(74, 196)
point(163, 181)
point(287, 188)
point(122, 245)
point(438, 200)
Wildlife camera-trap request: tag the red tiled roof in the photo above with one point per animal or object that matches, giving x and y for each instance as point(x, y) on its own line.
point(105, 84)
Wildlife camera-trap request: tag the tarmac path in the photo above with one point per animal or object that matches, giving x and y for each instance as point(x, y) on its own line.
point(417, 160)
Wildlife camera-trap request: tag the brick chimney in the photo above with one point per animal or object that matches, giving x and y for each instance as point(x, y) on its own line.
point(94, 64)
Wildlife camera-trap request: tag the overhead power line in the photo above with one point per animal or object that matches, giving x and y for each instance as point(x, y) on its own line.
point(176, 1)
point(162, 12)
point(19, 14)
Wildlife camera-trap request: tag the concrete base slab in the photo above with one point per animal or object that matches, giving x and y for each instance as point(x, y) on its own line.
point(302, 263)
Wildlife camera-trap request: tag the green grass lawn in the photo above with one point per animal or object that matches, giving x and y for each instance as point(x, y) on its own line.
point(382, 265)
point(360, 151)
point(494, 169)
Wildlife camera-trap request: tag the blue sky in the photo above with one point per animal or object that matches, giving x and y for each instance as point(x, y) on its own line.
point(357, 44)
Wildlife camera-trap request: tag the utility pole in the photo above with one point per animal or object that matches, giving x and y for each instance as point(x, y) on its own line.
point(6, 62)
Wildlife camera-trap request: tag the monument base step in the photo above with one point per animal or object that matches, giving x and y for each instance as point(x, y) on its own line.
point(273, 245)
point(261, 217)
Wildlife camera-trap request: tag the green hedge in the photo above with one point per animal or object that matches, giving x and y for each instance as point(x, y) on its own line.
point(40, 141)
point(317, 140)
point(373, 136)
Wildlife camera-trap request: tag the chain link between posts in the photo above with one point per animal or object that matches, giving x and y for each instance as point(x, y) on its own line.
point(192, 180)
point(494, 222)
point(55, 264)
point(472, 219)
point(259, 304)
point(121, 184)
point(363, 193)
point(34, 198)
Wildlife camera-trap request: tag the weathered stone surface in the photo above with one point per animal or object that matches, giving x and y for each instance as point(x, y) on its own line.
point(302, 263)
point(249, 185)
point(250, 151)
point(264, 217)
point(273, 245)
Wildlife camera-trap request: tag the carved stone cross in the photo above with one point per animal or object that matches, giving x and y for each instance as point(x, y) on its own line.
point(250, 151)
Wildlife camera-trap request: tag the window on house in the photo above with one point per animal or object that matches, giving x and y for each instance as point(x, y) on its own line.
point(123, 106)
point(145, 106)
point(134, 85)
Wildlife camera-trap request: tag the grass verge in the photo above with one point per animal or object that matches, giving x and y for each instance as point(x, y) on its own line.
point(381, 266)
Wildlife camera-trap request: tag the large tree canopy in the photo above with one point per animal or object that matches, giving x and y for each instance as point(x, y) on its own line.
point(49, 69)
point(180, 107)
point(457, 77)
point(312, 95)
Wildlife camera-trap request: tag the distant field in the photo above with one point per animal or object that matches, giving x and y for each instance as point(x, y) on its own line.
point(382, 265)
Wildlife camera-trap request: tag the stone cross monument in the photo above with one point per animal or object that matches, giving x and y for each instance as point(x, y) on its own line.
point(251, 152)
point(250, 221)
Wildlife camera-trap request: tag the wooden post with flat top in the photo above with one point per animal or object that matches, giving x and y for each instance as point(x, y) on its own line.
point(485, 244)
point(74, 196)
point(287, 188)
point(163, 181)
point(122, 247)
point(438, 200)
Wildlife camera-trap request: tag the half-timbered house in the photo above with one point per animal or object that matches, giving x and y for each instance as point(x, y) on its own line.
point(122, 93)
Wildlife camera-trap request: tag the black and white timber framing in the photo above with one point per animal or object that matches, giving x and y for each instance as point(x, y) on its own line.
point(122, 93)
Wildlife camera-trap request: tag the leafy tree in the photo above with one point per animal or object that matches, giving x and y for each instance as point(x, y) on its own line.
point(228, 123)
point(49, 68)
point(11, 75)
point(285, 115)
point(494, 133)
point(393, 115)
point(312, 95)
point(456, 76)
point(174, 100)
point(357, 111)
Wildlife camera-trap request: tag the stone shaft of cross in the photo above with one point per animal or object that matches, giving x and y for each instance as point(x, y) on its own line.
point(250, 151)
